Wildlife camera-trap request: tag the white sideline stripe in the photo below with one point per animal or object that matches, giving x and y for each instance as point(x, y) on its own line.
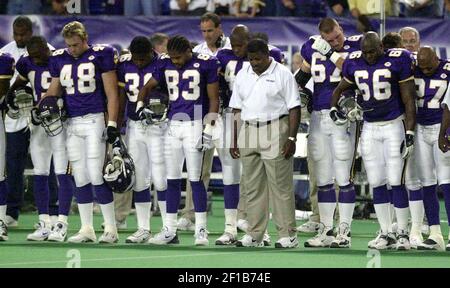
point(125, 258)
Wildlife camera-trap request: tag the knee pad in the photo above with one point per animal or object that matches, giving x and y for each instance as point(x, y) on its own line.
point(316, 147)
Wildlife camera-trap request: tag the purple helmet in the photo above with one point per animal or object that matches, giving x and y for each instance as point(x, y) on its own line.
point(52, 114)
point(156, 107)
point(120, 171)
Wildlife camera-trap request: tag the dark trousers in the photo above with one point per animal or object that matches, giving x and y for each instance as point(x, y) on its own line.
point(16, 157)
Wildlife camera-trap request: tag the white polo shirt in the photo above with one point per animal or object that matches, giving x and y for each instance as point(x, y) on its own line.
point(203, 48)
point(267, 96)
point(14, 125)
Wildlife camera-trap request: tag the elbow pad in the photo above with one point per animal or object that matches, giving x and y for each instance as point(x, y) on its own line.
point(302, 77)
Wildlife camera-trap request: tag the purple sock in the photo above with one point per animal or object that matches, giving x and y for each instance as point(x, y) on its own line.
point(347, 194)
point(173, 195)
point(104, 194)
point(161, 195)
point(84, 194)
point(142, 196)
point(41, 193)
point(199, 196)
point(416, 195)
point(3, 192)
point(231, 196)
point(446, 190)
point(431, 204)
point(65, 193)
point(381, 195)
point(326, 194)
point(391, 196)
point(400, 196)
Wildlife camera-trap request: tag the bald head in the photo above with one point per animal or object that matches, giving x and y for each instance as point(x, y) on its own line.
point(427, 60)
point(240, 35)
point(371, 47)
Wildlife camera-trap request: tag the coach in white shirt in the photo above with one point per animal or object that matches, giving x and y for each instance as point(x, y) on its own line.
point(266, 99)
point(17, 132)
point(444, 143)
point(212, 32)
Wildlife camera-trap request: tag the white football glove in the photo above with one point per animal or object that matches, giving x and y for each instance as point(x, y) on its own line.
point(205, 142)
point(322, 46)
point(407, 147)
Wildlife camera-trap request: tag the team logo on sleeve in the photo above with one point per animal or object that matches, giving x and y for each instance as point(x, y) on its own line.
point(388, 64)
point(443, 75)
point(196, 65)
point(92, 57)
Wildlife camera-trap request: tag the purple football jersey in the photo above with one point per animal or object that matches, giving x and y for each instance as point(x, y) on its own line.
point(6, 66)
point(81, 78)
point(230, 65)
point(326, 76)
point(187, 85)
point(132, 79)
point(38, 76)
point(379, 83)
point(430, 93)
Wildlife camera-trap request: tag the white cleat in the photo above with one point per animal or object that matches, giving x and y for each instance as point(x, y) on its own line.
point(415, 239)
point(425, 229)
point(164, 237)
point(308, 227)
point(41, 234)
point(266, 239)
point(201, 237)
point(287, 242)
point(85, 235)
point(58, 233)
point(11, 222)
point(343, 238)
point(226, 239)
point(140, 236)
point(324, 237)
point(434, 242)
point(242, 225)
point(248, 241)
point(184, 224)
point(403, 243)
point(3, 231)
point(109, 237)
point(383, 242)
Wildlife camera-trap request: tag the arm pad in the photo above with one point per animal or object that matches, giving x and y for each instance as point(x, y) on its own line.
point(302, 77)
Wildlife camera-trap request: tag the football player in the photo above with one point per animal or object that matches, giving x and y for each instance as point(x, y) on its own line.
point(385, 80)
point(231, 62)
point(6, 74)
point(192, 82)
point(330, 146)
point(87, 76)
point(444, 145)
point(46, 143)
point(145, 141)
point(432, 77)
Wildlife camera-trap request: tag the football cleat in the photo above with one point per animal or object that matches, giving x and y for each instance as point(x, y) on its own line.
point(323, 238)
point(248, 241)
point(266, 239)
point(343, 238)
point(403, 241)
point(58, 233)
point(109, 238)
point(3, 231)
point(201, 237)
point(226, 239)
point(140, 236)
point(85, 235)
point(308, 227)
point(41, 234)
point(383, 242)
point(164, 237)
point(242, 225)
point(184, 224)
point(434, 242)
point(415, 238)
point(287, 242)
point(11, 222)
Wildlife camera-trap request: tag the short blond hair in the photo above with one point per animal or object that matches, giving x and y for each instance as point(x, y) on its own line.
point(74, 28)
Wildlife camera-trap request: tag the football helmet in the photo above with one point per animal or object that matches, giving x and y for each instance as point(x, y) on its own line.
point(350, 108)
point(52, 114)
point(306, 98)
point(119, 171)
point(156, 107)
